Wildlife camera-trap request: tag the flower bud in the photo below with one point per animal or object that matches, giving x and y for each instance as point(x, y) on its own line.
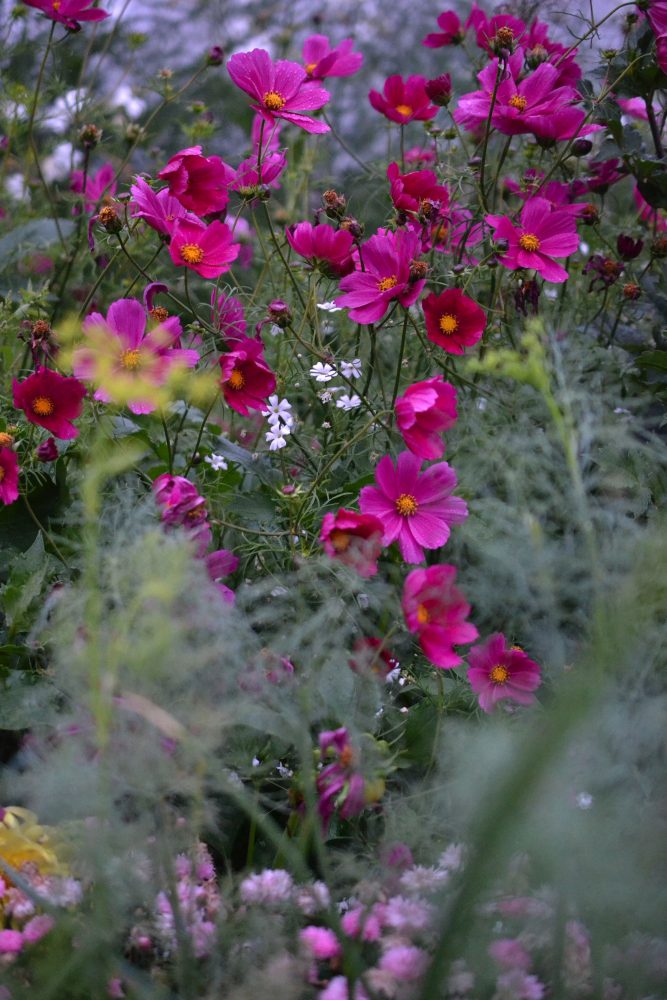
point(108, 218)
point(90, 136)
point(6, 440)
point(628, 248)
point(581, 147)
point(659, 247)
point(439, 90)
point(536, 56)
point(334, 204)
point(590, 215)
point(280, 313)
point(418, 270)
point(352, 226)
point(47, 451)
point(215, 56)
point(631, 291)
point(503, 41)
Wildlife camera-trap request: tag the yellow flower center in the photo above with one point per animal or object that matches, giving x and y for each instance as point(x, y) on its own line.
point(404, 109)
point(56, 5)
point(499, 674)
point(273, 100)
point(346, 755)
point(406, 505)
point(423, 617)
point(43, 406)
point(340, 540)
point(386, 283)
point(505, 36)
point(518, 102)
point(529, 242)
point(130, 359)
point(448, 324)
point(236, 379)
point(310, 67)
point(2, 473)
point(192, 253)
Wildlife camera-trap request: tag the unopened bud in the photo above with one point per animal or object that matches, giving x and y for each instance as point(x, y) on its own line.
point(418, 270)
point(590, 214)
point(215, 56)
point(439, 89)
point(659, 247)
point(536, 56)
point(108, 218)
point(47, 451)
point(581, 147)
point(280, 313)
point(90, 136)
point(352, 226)
point(334, 204)
point(631, 291)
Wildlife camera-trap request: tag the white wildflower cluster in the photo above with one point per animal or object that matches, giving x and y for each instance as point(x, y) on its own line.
point(217, 462)
point(324, 373)
point(281, 421)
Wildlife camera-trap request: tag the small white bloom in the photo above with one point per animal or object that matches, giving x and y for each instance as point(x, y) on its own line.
point(274, 329)
point(279, 410)
point(351, 369)
point(276, 436)
point(59, 163)
point(584, 800)
point(16, 188)
point(326, 396)
point(329, 307)
point(283, 771)
point(255, 762)
point(64, 109)
point(322, 372)
point(393, 675)
point(217, 462)
point(346, 402)
point(123, 97)
point(326, 425)
point(584, 247)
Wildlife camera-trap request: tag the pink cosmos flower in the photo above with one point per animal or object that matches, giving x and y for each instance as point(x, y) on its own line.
point(496, 672)
point(325, 248)
point(354, 539)
point(453, 321)
point(181, 506)
point(51, 401)
point(451, 31)
point(69, 12)
point(559, 194)
point(339, 784)
point(159, 208)
point(11, 942)
point(542, 235)
point(416, 508)
point(387, 260)
point(227, 316)
point(132, 351)
point(417, 155)
point(657, 18)
point(208, 250)
point(321, 942)
point(98, 186)
point(486, 28)
point(404, 962)
point(404, 101)
point(246, 179)
point(220, 564)
point(278, 88)
point(436, 611)
point(246, 380)
point(418, 192)
point(198, 182)
point(9, 476)
point(321, 60)
point(423, 413)
point(651, 216)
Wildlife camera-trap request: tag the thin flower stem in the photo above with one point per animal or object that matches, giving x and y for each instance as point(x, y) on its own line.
point(487, 132)
point(46, 534)
point(400, 362)
point(341, 142)
point(346, 446)
point(199, 437)
point(655, 132)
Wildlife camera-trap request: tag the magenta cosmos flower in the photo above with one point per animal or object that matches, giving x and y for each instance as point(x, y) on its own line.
point(415, 508)
point(339, 784)
point(69, 12)
point(280, 89)
point(208, 250)
point(487, 29)
point(542, 235)
point(246, 380)
point(9, 476)
point(158, 208)
point(436, 611)
point(404, 101)
point(246, 180)
point(321, 60)
point(387, 259)
point(182, 506)
point(51, 401)
point(122, 346)
point(98, 186)
point(423, 413)
point(453, 321)
point(417, 191)
point(325, 248)
point(354, 539)
point(496, 672)
point(451, 31)
point(199, 182)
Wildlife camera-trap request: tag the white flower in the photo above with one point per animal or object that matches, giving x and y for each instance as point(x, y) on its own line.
point(16, 188)
point(276, 436)
point(217, 462)
point(63, 110)
point(346, 402)
point(279, 410)
point(584, 800)
point(326, 396)
point(351, 369)
point(123, 97)
point(322, 373)
point(329, 307)
point(60, 161)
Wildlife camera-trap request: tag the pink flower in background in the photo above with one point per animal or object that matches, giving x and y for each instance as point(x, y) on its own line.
point(404, 101)
point(417, 155)
point(354, 539)
point(51, 401)
point(558, 193)
point(451, 31)
point(246, 379)
point(387, 261)
point(158, 208)
point(321, 942)
point(418, 191)
point(99, 186)
point(496, 671)
point(486, 28)
point(69, 12)
point(657, 18)
point(199, 182)
point(339, 784)
point(227, 316)
point(220, 564)
point(208, 250)
point(321, 60)
point(181, 506)
point(9, 476)
point(324, 247)
point(280, 89)
point(415, 508)
point(424, 411)
point(542, 235)
point(453, 321)
point(651, 216)
point(436, 611)
point(246, 178)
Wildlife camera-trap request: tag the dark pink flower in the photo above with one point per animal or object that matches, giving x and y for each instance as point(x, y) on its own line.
point(47, 451)
point(486, 29)
point(451, 31)
point(542, 235)
point(321, 942)
point(198, 182)
point(159, 208)
point(69, 12)
point(404, 101)
point(98, 186)
point(246, 379)
point(325, 248)
point(280, 89)
point(354, 539)
point(246, 179)
point(436, 611)
point(208, 250)
point(321, 60)
point(9, 476)
point(415, 508)
point(418, 192)
point(51, 401)
point(11, 942)
point(339, 784)
point(220, 564)
point(496, 671)
point(424, 411)
point(417, 155)
point(453, 321)
point(227, 316)
point(387, 261)
point(181, 506)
